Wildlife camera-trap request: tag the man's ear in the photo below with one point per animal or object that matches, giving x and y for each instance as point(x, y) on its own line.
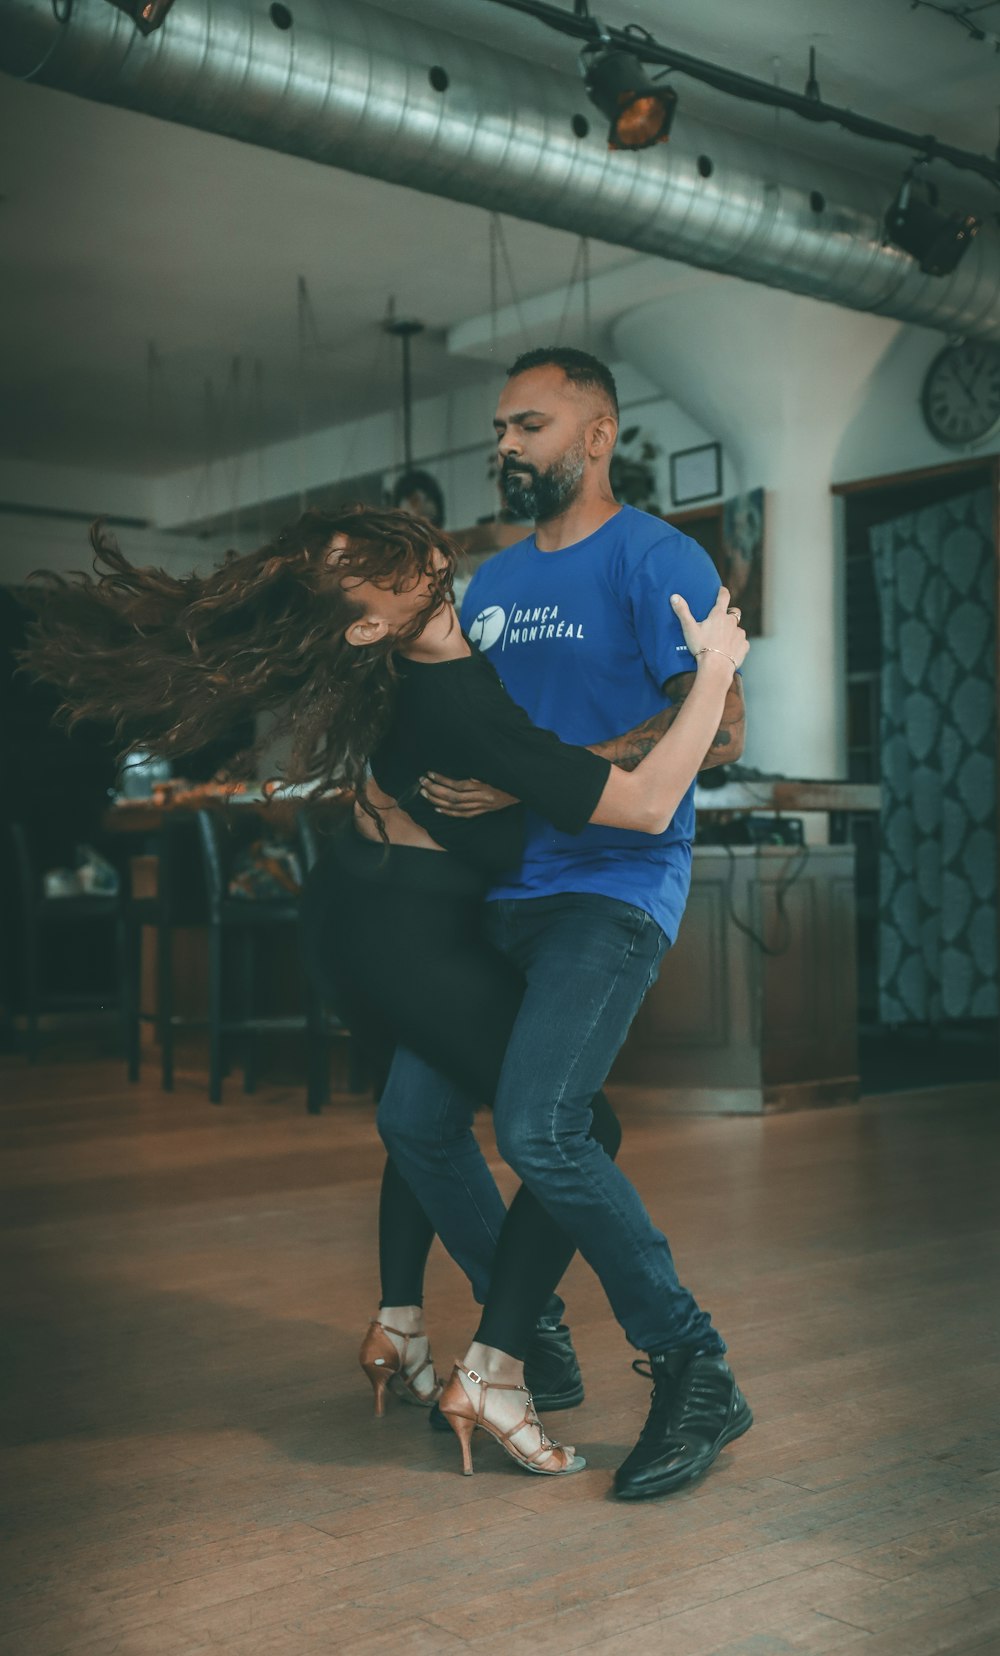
point(603, 433)
point(370, 629)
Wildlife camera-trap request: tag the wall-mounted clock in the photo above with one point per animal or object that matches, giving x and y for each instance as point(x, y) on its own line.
point(961, 393)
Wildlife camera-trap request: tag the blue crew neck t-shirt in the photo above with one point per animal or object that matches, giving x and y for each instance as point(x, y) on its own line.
point(584, 639)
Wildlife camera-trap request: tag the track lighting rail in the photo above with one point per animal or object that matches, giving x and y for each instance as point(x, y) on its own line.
point(581, 26)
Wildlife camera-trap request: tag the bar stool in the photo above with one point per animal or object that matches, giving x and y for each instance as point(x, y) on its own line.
point(178, 900)
point(44, 918)
point(313, 833)
point(310, 827)
point(248, 921)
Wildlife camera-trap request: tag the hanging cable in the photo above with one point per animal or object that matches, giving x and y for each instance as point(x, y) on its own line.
point(258, 431)
point(494, 285)
point(793, 867)
point(372, 373)
point(233, 394)
point(62, 16)
point(579, 275)
point(509, 268)
point(212, 424)
point(570, 286)
point(301, 317)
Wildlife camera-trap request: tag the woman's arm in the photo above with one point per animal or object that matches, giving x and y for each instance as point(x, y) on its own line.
point(643, 799)
point(646, 798)
point(628, 750)
point(472, 797)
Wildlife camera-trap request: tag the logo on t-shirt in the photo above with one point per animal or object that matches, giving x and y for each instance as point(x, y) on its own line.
point(526, 626)
point(487, 627)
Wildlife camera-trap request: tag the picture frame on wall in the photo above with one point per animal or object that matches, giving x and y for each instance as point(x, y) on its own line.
point(741, 557)
point(696, 474)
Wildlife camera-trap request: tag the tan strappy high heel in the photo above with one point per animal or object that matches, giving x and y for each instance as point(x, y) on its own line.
point(464, 1417)
point(384, 1364)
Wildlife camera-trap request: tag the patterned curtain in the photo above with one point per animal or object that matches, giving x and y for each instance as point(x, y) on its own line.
point(936, 576)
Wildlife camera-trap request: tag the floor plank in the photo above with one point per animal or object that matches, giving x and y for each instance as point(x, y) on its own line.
point(190, 1463)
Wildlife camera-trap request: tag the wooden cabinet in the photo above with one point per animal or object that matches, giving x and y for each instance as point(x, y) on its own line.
point(755, 1008)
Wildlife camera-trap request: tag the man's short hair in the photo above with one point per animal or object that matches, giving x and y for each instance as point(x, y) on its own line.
point(579, 367)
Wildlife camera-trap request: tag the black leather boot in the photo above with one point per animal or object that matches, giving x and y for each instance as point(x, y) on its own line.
point(695, 1410)
point(551, 1367)
point(551, 1370)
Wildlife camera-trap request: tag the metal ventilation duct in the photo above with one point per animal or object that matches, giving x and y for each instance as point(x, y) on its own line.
point(345, 84)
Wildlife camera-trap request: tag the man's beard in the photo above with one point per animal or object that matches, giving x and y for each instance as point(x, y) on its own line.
point(543, 495)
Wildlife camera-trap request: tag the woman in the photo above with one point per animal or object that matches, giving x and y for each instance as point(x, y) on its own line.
point(346, 627)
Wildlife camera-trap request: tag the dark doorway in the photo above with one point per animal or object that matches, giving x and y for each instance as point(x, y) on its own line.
point(899, 1052)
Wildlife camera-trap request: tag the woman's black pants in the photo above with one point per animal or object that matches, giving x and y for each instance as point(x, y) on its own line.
point(392, 940)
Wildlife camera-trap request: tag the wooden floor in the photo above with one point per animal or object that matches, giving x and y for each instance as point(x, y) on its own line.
point(191, 1462)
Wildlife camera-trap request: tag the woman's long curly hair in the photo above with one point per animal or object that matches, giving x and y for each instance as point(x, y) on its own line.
point(177, 662)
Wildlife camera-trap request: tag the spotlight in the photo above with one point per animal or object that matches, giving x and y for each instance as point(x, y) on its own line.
point(935, 239)
point(641, 113)
point(147, 15)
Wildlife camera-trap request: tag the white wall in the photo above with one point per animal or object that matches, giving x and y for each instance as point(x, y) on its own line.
point(776, 378)
point(31, 543)
point(457, 425)
point(452, 437)
point(465, 421)
point(888, 433)
point(73, 489)
point(801, 395)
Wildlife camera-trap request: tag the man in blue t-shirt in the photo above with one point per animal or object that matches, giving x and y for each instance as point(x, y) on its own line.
point(577, 620)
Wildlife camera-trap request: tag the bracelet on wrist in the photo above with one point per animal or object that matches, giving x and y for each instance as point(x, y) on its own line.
point(709, 649)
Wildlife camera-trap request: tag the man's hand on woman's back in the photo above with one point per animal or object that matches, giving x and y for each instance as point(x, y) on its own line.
point(463, 799)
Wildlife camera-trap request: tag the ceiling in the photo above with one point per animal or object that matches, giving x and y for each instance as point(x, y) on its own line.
point(122, 231)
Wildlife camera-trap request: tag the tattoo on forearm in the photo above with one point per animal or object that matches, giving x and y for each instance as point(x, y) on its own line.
point(629, 750)
point(727, 745)
point(638, 748)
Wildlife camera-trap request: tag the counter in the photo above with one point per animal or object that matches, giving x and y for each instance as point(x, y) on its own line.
point(741, 1023)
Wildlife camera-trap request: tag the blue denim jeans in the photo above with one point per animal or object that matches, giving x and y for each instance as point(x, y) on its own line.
point(588, 962)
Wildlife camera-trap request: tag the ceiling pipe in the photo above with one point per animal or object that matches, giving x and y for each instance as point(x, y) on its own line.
point(353, 87)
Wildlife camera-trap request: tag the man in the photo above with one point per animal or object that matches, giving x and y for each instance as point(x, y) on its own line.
point(420, 494)
point(577, 621)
